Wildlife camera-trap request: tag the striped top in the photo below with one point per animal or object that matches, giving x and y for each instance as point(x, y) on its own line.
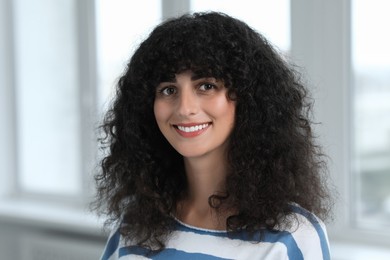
point(308, 240)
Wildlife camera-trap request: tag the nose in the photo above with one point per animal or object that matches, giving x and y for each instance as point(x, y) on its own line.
point(188, 103)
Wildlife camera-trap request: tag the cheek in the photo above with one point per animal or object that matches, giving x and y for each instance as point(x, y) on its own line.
point(224, 108)
point(160, 111)
point(231, 113)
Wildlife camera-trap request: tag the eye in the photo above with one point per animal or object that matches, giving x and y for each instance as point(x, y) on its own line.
point(207, 86)
point(167, 91)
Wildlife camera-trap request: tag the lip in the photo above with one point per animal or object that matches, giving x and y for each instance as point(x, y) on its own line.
point(192, 133)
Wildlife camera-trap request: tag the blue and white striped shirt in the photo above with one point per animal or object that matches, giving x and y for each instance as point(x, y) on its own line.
point(306, 240)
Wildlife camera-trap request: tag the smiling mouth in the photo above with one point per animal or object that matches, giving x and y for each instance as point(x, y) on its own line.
point(194, 128)
point(191, 130)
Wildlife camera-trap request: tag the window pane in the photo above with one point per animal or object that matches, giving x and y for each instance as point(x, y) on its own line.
point(121, 26)
point(271, 18)
point(47, 96)
point(371, 112)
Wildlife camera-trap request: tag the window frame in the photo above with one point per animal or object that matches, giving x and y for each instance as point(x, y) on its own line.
point(87, 103)
point(45, 211)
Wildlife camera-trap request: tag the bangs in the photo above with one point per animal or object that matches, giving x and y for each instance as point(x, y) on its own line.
point(186, 57)
point(199, 71)
point(193, 46)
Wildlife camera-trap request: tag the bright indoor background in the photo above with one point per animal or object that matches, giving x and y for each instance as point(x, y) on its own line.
point(60, 60)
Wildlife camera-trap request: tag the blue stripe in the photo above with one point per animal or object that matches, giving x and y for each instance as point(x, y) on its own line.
point(284, 237)
point(112, 245)
point(318, 228)
point(168, 253)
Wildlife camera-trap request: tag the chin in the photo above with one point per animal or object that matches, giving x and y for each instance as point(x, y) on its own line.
point(190, 153)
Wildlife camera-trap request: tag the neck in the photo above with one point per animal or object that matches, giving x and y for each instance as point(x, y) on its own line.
point(206, 177)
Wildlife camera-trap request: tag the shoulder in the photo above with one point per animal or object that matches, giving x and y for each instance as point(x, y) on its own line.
point(309, 234)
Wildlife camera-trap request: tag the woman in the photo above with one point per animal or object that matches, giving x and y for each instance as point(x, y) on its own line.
point(210, 153)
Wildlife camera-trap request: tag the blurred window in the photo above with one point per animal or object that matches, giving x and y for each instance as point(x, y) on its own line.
point(47, 97)
point(50, 100)
point(371, 113)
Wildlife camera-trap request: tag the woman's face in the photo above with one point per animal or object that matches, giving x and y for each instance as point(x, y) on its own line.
point(194, 114)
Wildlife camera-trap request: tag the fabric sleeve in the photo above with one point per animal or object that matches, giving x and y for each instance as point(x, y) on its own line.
point(311, 236)
point(111, 250)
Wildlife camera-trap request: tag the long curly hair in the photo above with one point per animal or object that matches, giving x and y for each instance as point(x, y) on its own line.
point(272, 155)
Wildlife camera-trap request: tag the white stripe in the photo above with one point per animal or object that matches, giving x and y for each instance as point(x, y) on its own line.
point(307, 237)
point(225, 247)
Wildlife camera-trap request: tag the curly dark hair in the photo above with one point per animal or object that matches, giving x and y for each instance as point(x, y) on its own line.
point(272, 155)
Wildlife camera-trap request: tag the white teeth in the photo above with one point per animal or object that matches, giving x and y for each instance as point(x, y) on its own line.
point(192, 128)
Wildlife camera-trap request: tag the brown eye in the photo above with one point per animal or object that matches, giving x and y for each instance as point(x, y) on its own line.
point(167, 91)
point(207, 86)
